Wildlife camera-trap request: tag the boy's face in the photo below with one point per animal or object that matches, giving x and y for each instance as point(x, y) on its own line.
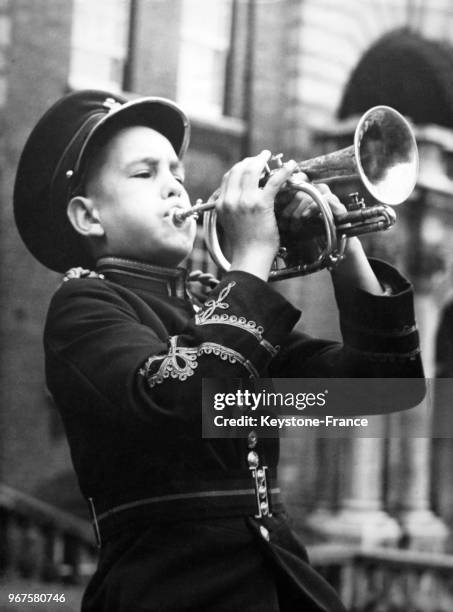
point(136, 185)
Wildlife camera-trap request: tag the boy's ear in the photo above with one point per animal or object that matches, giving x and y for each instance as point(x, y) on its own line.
point(84, 217)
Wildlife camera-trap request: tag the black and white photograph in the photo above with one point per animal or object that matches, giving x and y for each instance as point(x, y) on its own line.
point(226, 316)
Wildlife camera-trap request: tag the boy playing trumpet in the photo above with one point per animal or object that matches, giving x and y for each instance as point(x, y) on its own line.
point(97, 188)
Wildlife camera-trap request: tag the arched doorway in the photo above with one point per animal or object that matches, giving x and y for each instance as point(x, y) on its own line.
point(408, 72)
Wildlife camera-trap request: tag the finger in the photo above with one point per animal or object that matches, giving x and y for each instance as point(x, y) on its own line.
point(301, 215)
point(289, 218)
point(277, 179)
point(338, 209)
point(252, 170)
point(323, 188)
point(222, 190)
point(285, 216)
point(306, 206)
point(336, 206)
point(310, 211)
point(299, 177)
point(298, 200)
point(298, 212)
point(327, 193)
point(231, 184)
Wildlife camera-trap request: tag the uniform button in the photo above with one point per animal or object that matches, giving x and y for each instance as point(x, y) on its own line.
point(252, 439)
point(265, 533)
point(262, 490)
point(253, 459)
point(260, 481)
point(259, 473)
point(264, 507)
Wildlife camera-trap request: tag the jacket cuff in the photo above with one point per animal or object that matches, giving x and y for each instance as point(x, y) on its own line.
point(380, 324)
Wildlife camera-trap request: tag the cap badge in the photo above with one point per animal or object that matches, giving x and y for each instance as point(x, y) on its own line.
point(111, 104)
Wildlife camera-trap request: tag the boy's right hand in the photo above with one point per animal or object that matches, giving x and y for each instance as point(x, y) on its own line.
point(246, 213)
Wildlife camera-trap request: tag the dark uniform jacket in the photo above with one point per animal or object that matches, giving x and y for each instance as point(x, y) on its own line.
point(444, 342)
point(125, 356)
point(443, 385)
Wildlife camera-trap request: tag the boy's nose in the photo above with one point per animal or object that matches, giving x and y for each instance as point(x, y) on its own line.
point(171, 187)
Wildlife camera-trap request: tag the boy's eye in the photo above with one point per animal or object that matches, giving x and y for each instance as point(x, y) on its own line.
point(150, 172)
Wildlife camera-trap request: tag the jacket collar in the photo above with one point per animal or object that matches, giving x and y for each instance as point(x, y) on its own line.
point(170, 282)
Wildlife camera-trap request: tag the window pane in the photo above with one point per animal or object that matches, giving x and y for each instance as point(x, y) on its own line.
point(99, 43)
point(205, 39)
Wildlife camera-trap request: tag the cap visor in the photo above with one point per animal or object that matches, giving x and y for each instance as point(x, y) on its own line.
point(160, 114)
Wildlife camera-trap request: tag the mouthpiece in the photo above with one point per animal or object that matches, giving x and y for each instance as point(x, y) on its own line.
point(200, 206)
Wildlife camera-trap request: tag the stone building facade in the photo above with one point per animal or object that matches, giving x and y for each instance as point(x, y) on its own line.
point(277, 74)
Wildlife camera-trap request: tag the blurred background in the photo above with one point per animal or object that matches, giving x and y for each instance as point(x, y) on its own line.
point(292, 76)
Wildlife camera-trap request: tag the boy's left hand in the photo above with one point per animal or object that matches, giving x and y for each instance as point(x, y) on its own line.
point(296, 215)
point(294, 220)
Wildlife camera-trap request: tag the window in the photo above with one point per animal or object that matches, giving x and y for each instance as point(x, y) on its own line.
point(205, 41)
point(99, 44)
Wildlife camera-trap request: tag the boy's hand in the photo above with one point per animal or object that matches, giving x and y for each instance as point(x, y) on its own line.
point(246, 213)
point(294, 218)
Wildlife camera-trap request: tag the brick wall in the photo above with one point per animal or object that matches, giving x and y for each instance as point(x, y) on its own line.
point(34, 36)
point(155, 54)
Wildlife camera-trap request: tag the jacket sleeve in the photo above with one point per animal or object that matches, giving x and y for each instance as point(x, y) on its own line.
point(444, 343)
point(95, 341)
point(380, 341)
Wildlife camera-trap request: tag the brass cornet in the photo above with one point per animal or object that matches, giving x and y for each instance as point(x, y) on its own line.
point(384, 156)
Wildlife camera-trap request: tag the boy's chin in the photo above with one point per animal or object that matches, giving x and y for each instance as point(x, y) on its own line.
point(172, 259)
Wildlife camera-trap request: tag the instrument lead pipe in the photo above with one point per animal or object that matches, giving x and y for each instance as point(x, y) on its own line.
point(197, 208)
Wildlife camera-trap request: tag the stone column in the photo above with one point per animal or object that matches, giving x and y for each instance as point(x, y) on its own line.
point(361, 519)
point(422, 529)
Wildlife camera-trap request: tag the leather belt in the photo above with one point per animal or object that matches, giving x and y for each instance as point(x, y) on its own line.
point(214, 503)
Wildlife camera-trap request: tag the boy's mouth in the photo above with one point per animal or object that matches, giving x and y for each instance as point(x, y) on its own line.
point(176, 217)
